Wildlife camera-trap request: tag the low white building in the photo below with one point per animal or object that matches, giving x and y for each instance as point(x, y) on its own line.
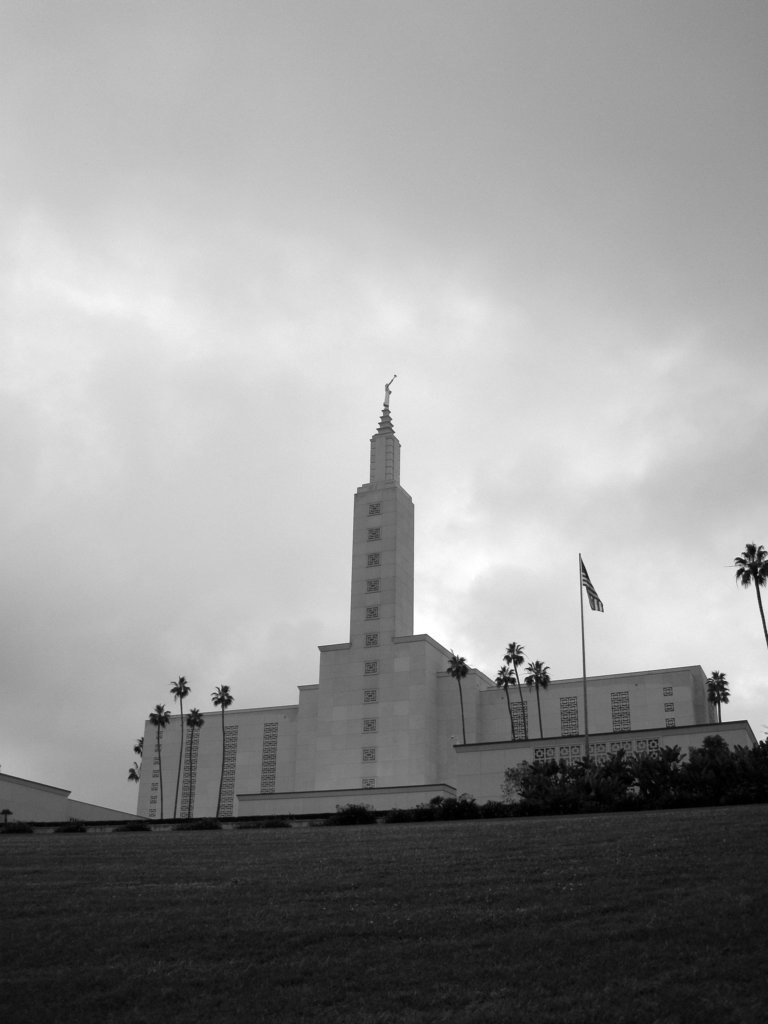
point(383, 726)
point(29, 801)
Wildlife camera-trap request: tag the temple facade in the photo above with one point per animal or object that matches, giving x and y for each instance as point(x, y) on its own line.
point(382, 725)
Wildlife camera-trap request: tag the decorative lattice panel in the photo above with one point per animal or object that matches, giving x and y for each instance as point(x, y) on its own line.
point(269, 757)
point(369, 725)
point(370, 696)
point(372, 586)
point(520, 718)
point(189, 777)
point(569, 716)
point(374, 559)
point(230, 765)
point(620, 718)
point(374, 509)
point(369, 753)
point(374, 533)
point(371, 639)
point(372, 612)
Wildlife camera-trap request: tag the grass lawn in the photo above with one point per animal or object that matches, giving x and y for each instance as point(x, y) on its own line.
point(656, 918)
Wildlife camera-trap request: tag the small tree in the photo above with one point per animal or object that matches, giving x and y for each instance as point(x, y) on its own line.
point(134, 773)
point(223, 699)
point(752, 567)
point(718, 692)
point(538, 677)
point(515, 657)
point(503, 679)
point(195, 720)
point(180, 689)
point(458, 668)
point(160, 719)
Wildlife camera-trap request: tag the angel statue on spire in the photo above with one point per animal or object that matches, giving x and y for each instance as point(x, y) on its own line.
point(388, 392)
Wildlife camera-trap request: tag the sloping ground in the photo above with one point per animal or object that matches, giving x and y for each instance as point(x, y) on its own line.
point(648, 917)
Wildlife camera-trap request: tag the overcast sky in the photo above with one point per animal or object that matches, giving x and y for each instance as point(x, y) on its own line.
point(224, 225)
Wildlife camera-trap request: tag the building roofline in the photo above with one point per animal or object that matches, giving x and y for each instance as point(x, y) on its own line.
point(33, 785)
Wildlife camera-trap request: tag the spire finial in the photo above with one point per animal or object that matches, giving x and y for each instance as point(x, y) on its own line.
point(388, 392)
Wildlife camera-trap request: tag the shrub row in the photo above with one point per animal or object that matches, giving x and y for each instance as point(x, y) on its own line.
point(439, 808)
point(707, 775)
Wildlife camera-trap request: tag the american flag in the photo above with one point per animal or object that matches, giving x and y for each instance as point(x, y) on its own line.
point(594, 601)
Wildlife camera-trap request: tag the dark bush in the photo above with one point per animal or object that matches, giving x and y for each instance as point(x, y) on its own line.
point(133, 826)
point(666, 778)
point(16, 828)
point(455, 808)
point(495, 809)
point(265, 823)
point(398, 815)
point(352, 814)
point(450, 808)
point(197, 825)
point(71, 826)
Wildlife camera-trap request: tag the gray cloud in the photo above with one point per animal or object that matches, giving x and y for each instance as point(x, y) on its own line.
point(225, 226)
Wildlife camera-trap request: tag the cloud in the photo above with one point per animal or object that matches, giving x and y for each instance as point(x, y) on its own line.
point(223, 231)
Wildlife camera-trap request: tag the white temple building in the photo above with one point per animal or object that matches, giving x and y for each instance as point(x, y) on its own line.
point(382, 725)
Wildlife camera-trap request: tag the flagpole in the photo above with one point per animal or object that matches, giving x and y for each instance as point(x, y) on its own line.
point(583, 659)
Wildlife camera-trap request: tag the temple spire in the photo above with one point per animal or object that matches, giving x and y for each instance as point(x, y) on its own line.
point(385, 447)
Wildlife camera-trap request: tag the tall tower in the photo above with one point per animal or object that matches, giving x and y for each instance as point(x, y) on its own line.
point(382, 547)
point(368, 698)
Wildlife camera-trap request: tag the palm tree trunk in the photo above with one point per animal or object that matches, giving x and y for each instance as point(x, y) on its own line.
point(461, 702)
point(522, 703)
point(189, 784)
point(160, 770)
point(221, 779)
point(511, 719)
point(538, 701)
point(762, 613)
point(719, 713)
point(181, 755)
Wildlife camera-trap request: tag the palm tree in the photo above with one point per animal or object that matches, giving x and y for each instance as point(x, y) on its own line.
point(195, 720)
point(134, 774)
point(538, 677)
point(504, 678)
point(515, 657)
point(221, 698)
point(718, 692)
point(160, 719)
point(752, 567)
point(179, 690)
point(458, 668)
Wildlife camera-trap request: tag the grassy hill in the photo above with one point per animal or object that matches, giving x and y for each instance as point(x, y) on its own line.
point(656, 917)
